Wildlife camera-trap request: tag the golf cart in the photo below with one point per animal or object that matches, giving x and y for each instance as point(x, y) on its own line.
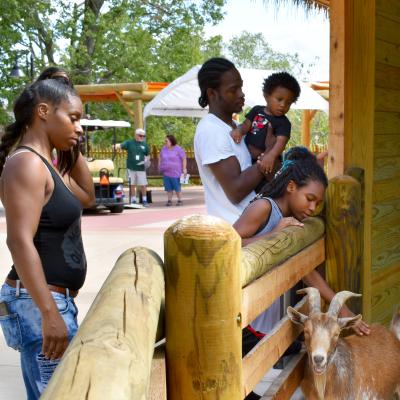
point(109, 189)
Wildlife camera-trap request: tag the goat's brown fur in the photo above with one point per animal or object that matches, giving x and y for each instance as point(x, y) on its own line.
point(354, 367)
point(372, 369)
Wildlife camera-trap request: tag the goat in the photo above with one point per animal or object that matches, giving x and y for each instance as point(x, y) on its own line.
point(352, 367)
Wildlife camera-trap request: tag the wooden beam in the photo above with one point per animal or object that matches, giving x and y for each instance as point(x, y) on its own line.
point(265, 254)
point(126, 106)
point(203, 329)
point(109, 88)
point(337, 80)
point(110, 357)
point(158, 379)
point(268, 351)
point(306, 128)
point(288, 380)
point(260, 294)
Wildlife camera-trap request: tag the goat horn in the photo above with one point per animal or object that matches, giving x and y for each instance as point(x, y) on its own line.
point(314, 299)
point(338, 301)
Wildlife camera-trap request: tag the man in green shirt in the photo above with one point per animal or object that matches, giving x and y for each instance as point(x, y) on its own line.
point(138, 154)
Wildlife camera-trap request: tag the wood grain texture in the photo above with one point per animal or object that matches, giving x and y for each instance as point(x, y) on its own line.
point(385, 245)
point(385, 191)
point(344, 236)
point(261, 293)
point(203, 305)
point(388, 8)
point(387, 53)
point(387, 29)
point(268, 351)
point(386, 293)
point(387, 100)
point(387, 76)
point(111, 355)
point(259, 257)
point(387, 168)
point(288, 380)
point(387, 123)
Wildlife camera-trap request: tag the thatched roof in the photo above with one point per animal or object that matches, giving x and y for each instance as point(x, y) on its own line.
point(307, 4)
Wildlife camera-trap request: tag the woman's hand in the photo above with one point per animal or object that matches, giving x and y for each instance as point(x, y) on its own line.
point(55, 335)
point(185, 171)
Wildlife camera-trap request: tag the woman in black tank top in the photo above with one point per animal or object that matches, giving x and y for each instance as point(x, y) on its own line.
point(43, 212)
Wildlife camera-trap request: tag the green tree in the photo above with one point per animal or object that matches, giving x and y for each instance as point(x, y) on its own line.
point(104, 40)
point(251, 50)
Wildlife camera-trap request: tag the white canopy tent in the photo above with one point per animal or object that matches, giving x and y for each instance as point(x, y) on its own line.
point(180, 98)
point(108, 123)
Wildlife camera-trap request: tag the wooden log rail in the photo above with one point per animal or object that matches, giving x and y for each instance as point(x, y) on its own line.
point(111, 355)
point(206, 310)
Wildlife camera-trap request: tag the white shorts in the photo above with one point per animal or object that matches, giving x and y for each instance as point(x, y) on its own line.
point(137, 177)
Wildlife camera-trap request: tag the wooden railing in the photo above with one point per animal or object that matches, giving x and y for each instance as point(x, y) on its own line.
point(213, 289)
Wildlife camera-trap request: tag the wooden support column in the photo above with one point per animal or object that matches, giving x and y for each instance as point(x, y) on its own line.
point(307, 117)
point(203, 292)
point(138, 110)
point(344, 237)
point(337, 100)
point(111, 355)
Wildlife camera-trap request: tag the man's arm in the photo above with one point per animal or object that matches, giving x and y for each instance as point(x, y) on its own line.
point(236, 184)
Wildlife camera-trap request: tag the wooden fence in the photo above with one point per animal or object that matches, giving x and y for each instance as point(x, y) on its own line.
point(213, 289)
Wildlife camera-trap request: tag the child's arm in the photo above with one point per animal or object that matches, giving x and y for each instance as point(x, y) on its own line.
point(241, 130)
point(270, 157)
point(315, 279)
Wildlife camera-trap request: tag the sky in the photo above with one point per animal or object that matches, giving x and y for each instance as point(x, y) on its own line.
point(288, 29)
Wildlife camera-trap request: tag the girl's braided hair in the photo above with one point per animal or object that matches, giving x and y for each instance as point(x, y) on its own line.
point(49, 90)
point(209, 76)
point(299, 166)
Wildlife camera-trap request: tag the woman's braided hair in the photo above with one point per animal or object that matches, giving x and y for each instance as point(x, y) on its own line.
point(49, 90)
point(299, 166)
point(209, 76)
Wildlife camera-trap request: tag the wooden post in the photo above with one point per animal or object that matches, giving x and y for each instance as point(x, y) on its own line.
point(203, 292)
point(344, 237)
point(111, 355)
point(138, 110)
point(306, 128)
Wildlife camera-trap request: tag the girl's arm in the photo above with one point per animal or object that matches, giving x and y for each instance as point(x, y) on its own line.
point(80, 182)
point(251, 220)
point(24, 193)
point(315, 279)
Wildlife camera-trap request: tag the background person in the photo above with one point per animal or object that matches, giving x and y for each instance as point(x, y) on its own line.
point(172, 163)
point(225, 168)
point(43, 207)
point(138, 152)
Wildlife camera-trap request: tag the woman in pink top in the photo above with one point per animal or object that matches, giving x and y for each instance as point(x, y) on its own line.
point(172, 163)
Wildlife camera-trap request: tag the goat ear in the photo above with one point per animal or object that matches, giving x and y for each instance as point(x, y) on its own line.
point(296, 316)
point(346, 323)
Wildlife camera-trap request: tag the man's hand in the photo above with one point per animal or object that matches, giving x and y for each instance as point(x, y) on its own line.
point(360, 328)
point(236, 135)
point(267, 163)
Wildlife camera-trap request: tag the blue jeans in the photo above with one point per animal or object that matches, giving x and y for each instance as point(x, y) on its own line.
point(22, 329)
point(171, 184)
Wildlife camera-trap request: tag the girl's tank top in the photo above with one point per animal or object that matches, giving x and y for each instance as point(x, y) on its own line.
point(266, 321)
point(58, 238)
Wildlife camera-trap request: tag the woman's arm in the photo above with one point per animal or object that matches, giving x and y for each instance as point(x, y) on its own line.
point(80, 182)
point(184, 163)
point(24, 194)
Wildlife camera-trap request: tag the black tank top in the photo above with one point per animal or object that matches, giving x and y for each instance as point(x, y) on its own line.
point(58, 238)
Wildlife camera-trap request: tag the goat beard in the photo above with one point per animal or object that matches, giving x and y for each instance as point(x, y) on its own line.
point(320, 384)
